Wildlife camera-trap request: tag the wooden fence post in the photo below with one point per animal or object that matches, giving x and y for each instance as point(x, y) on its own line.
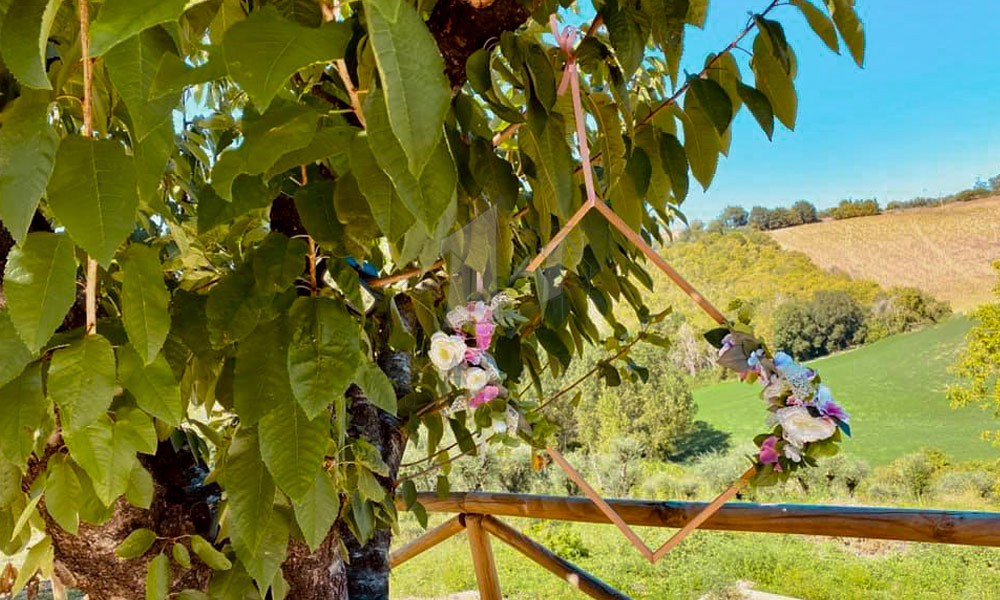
point(482, 558)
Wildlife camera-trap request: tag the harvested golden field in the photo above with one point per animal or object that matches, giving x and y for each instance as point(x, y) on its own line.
point(945, 251)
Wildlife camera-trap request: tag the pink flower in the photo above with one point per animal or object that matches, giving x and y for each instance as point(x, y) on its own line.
point(473, 356)
point(487, 394)
point(768, 453)
point(484, 334)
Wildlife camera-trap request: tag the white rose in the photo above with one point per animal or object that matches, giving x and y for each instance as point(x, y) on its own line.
point(458, 316)
point(475, 379)
point(800, 427)
point(447, 351)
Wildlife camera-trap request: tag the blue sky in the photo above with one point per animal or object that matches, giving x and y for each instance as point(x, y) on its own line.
point(921, 118)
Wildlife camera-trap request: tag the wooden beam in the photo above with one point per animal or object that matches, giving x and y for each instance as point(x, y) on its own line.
point(482, 558)
point(915, 525)
point(574, 575)
point(427, 541)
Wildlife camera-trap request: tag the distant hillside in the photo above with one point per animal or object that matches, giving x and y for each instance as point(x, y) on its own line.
point(945, 251)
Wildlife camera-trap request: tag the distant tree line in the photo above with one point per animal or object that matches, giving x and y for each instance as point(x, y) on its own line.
point(981, 189)
point(849, 209)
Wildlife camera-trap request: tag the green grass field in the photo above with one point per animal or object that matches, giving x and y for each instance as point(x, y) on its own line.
point(894, 390)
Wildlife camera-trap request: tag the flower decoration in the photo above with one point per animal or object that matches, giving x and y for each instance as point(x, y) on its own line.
point(463, 357)
point(806, 422)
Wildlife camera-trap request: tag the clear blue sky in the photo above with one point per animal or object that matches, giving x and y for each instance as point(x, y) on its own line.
point(921, 118)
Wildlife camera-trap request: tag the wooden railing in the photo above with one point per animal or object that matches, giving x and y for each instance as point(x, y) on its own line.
point(476, 514)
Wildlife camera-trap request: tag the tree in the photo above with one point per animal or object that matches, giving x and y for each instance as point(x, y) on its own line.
point(261, 279)
point(832, 320)
point(978, 366)
point(804, 212)
point(734, 216)
point(760, 218)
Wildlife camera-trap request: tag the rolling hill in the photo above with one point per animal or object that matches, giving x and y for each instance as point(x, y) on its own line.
point(945, 251)
point(894, 390)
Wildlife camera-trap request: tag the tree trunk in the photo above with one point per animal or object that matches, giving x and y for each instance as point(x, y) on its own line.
point(368, 571)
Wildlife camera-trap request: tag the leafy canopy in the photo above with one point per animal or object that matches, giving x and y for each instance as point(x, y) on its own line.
point(256, 174)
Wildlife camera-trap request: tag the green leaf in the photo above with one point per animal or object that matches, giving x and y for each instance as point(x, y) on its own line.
point(850, 28)
point(427, 194)
point(30, 510)
point(283, 128)
point(264, 564)
point(264, 50)
point(408, 494)
point(40, 286)
point(314, 204)
point(494, 174)
point(136, 544)
point(605, 114)
point(105, 456)
point(306, 12)
point(774, 82)
point(139, 491)
point(417, 93)
point(24, 407)
point(209, 555)
point(82, 381)
point(376, 386)
point(355, 216)
point(543, 79)
point(368, 456)
point(701, 140)
point(328, 142)
point(14, 355)
point(92, 192)
point(369, 487)
point(144, 301)
point(667, 19)
point(386, 206)
point(760, 108)
point(552, 343)
point(552, 180)
point(181, 555)
point(278, 262)
point(39, 557)
point(10, 484)
point(324, 353)
point(261, 381)
point(629, 32)
point(250, 490)
point(132, 66)
point(363, 517)
point(443, 487)
point(27, 152)
point(233, 308)
point(194, 594)
point(158, 578)
point(24, 37)
point(713, 100)
point(317, 510)
point(119, 20)
point(154, 386)
point(62, 493)
point(293, 447)
point(820, 24)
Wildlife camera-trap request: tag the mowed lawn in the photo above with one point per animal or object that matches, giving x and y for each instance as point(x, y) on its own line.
point(945, 251)
point(894, 390)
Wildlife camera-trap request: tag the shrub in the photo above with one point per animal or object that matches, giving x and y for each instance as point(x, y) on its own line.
point(832, 320)
point(953, 484)
point(561, 538)
point(849, 209)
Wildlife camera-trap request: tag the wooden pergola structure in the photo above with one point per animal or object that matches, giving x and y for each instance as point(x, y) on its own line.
point(476, 513)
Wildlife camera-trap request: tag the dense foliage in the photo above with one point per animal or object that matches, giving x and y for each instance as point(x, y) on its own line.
point(766, 219)
point(269, 207)
point(978, 367)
